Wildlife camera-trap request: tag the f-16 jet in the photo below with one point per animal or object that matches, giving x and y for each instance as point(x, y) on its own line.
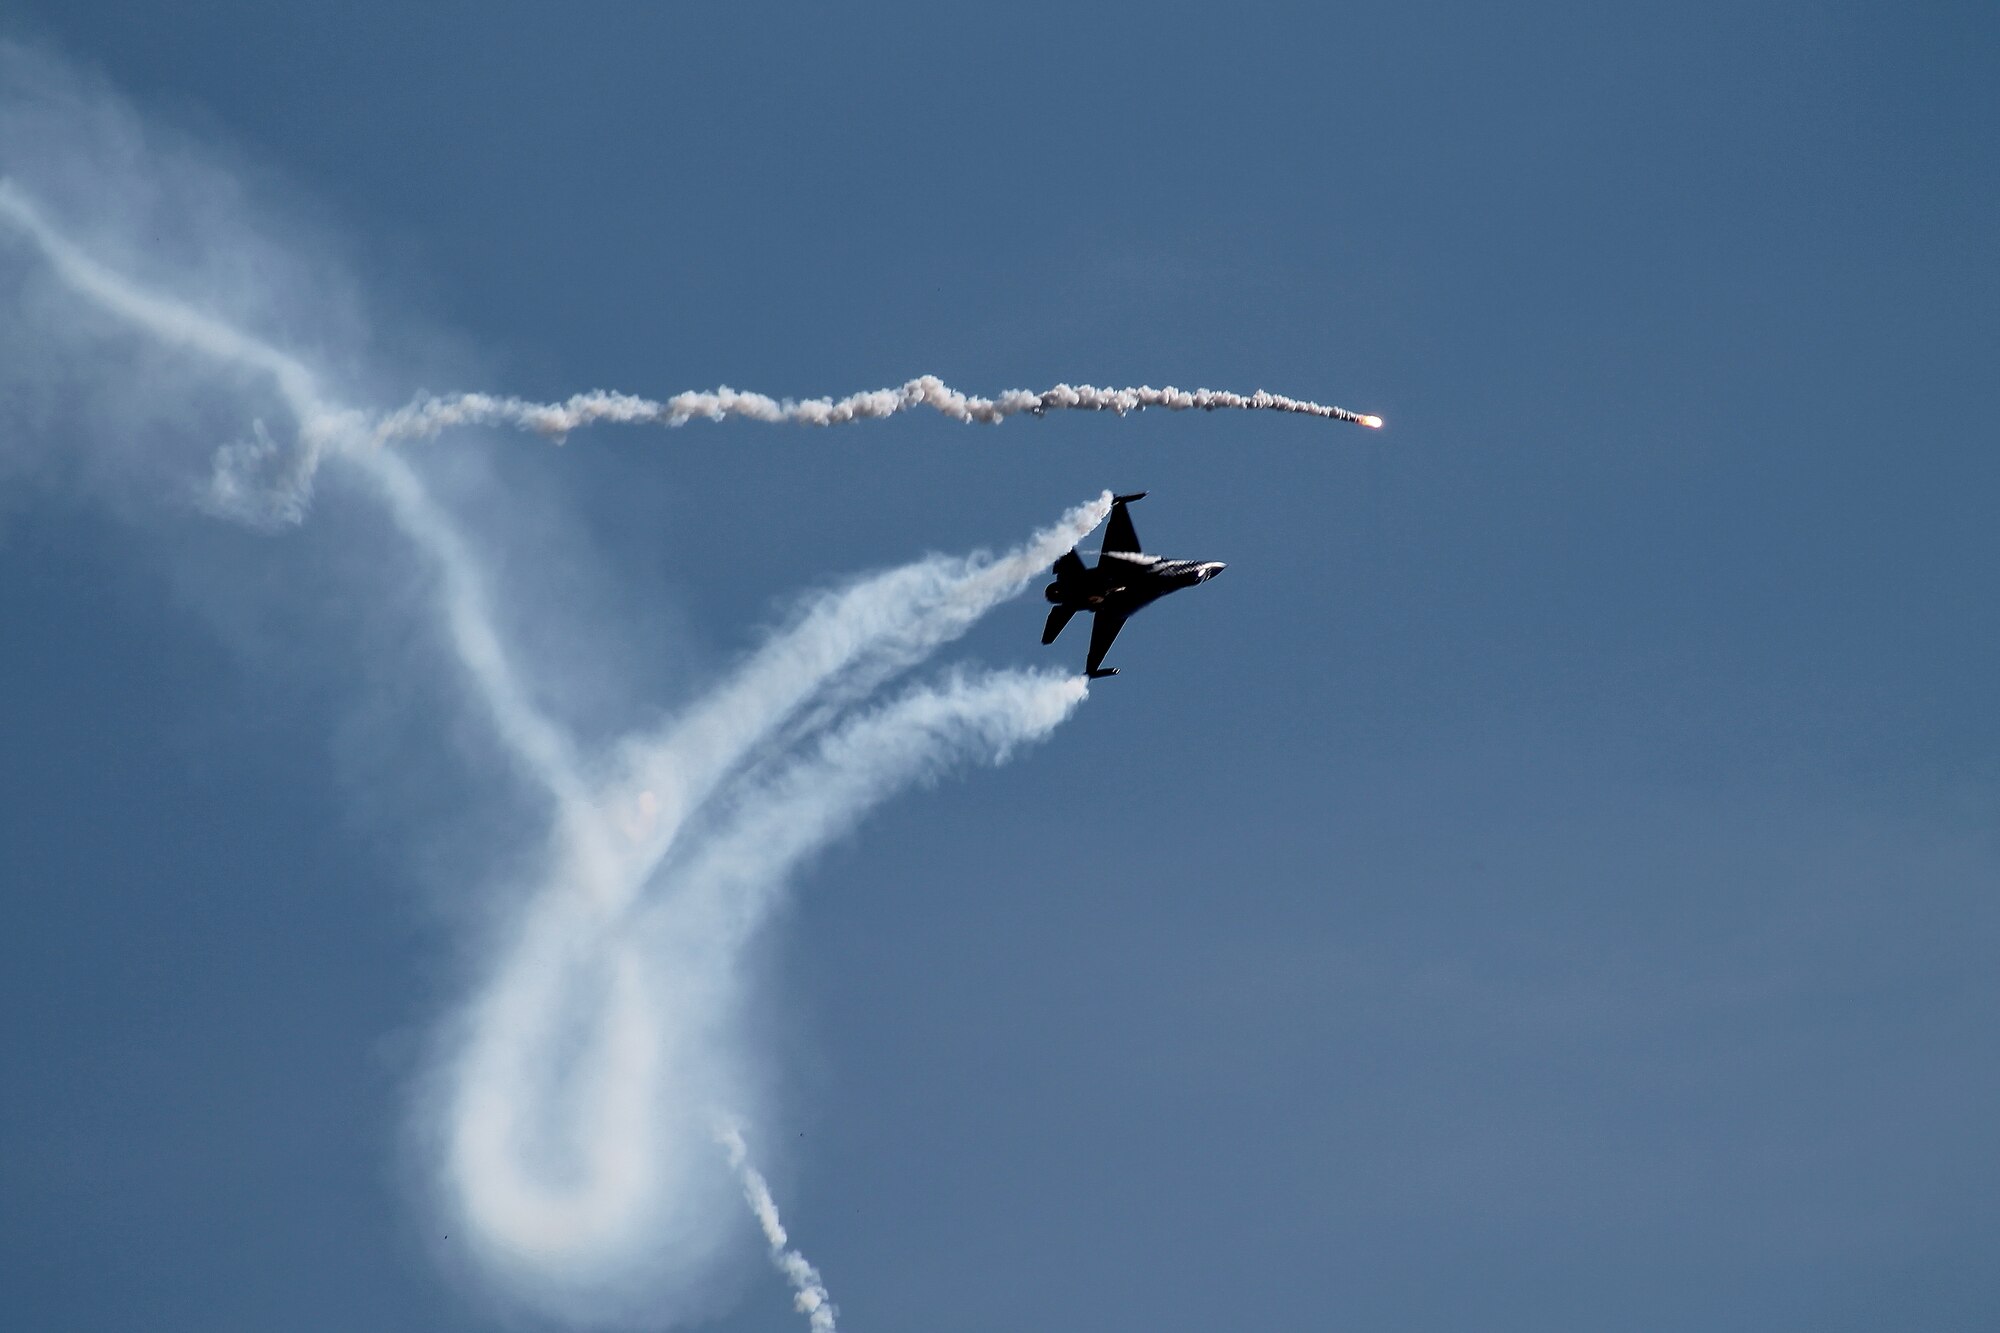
point(1123, 581)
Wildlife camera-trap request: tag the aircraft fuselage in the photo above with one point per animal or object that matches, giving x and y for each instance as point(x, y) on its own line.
point(1123, 581)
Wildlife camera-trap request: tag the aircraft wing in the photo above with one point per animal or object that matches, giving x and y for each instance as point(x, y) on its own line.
point(1104, 628)
point(1058, 617)
point(1120, 538)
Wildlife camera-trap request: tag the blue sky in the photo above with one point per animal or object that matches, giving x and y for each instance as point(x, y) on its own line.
point(1546, 882)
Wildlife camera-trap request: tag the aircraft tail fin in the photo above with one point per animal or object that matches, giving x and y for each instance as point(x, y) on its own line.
point(1058, 617)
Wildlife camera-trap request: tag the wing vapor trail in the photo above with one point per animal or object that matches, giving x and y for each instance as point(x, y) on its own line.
point(571, 1102)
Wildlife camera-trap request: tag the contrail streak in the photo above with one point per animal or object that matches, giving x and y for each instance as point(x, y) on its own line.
point(430, 416)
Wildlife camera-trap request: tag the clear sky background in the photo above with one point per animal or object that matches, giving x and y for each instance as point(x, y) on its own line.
point(1547, 882)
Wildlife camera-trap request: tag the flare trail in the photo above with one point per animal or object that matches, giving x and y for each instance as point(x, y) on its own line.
point(431, 415)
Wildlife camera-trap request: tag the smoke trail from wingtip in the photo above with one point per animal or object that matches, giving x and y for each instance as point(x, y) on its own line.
point(564, 1100)
point(845, 643)
point(430, 416)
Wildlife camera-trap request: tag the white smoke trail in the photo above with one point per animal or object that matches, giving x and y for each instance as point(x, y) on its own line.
point(810, 1298)
point(571, 1097)
point(564, 1163)
point(429, 416)
point(845, 643)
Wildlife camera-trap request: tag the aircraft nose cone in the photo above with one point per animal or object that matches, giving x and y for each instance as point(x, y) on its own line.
point(1211, 569)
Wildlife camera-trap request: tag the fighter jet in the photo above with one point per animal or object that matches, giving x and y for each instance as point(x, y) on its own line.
point(1123, 581)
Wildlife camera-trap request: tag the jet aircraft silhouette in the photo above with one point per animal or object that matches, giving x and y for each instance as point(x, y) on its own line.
point(1123, 581)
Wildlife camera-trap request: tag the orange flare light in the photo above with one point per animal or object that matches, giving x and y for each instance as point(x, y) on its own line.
point(1373, 423)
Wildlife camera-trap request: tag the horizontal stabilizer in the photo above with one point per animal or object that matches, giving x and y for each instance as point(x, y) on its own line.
point(1102, 672)
point(1069, 567)
point(1128, 499)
